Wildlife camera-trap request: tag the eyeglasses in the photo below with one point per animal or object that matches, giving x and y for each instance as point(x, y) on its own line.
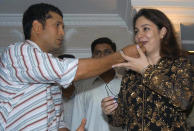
point(110, 92)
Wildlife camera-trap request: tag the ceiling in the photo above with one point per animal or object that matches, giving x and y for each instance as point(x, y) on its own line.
point(71, 8)
point(67, 6)
point(96, 14)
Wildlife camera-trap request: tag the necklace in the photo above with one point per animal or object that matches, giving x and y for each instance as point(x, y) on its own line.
point(110, 92)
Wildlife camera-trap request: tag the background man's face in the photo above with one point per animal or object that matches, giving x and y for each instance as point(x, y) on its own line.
point(102, 50)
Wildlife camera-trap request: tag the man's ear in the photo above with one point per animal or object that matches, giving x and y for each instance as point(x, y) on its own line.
point(163, 32)
point(36, 26)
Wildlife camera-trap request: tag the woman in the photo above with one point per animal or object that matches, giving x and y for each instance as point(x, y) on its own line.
point(157, 89)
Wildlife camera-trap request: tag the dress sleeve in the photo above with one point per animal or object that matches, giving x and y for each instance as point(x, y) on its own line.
point(173, 80)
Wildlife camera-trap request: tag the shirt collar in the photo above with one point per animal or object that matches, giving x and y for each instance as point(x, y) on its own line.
point(33, 44)
point(98, 78)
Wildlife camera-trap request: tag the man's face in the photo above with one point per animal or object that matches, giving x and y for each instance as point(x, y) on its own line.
point(102, 50)
point(52, 34)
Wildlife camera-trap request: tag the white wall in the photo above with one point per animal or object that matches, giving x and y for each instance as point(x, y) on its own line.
point(77, 38)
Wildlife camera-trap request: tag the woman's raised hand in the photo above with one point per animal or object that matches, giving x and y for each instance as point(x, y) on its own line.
point(135, 64)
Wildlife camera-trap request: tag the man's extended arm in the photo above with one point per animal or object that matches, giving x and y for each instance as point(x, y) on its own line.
point(89, 67)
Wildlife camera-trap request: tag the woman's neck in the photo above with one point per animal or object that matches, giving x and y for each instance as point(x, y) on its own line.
point(153, 59)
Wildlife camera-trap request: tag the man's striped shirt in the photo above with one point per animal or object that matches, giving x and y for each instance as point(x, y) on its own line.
point(28, 99)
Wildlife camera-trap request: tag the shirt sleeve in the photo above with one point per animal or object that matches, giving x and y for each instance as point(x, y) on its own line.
point(62, 123)
point(25, 64)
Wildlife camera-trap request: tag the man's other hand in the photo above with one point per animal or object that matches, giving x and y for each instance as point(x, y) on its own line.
point(82, 125)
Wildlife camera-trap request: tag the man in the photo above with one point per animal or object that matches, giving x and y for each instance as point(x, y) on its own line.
point(28, 101)
point(87, 102)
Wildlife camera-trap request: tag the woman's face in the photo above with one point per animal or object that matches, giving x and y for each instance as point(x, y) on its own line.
point(147, 33)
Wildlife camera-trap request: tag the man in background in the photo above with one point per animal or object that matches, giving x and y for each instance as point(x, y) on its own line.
point(87, 102)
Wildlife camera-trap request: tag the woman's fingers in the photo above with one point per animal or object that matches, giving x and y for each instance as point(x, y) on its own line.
point(109, 109)
point(108, 101)
point(140, 51)
point(108, 105)
point(122, 65)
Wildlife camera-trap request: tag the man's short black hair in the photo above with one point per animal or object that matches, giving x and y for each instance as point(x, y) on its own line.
point(103, 40)
point(38, 12)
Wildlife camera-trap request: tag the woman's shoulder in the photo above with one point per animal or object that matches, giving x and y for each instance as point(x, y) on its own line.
point(176, 59)
point(179, 62)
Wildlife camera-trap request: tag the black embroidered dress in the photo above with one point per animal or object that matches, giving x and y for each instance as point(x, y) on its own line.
point(156, 101)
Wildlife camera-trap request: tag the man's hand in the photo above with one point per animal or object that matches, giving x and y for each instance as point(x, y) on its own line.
point(80, 128)
point(82, 125)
